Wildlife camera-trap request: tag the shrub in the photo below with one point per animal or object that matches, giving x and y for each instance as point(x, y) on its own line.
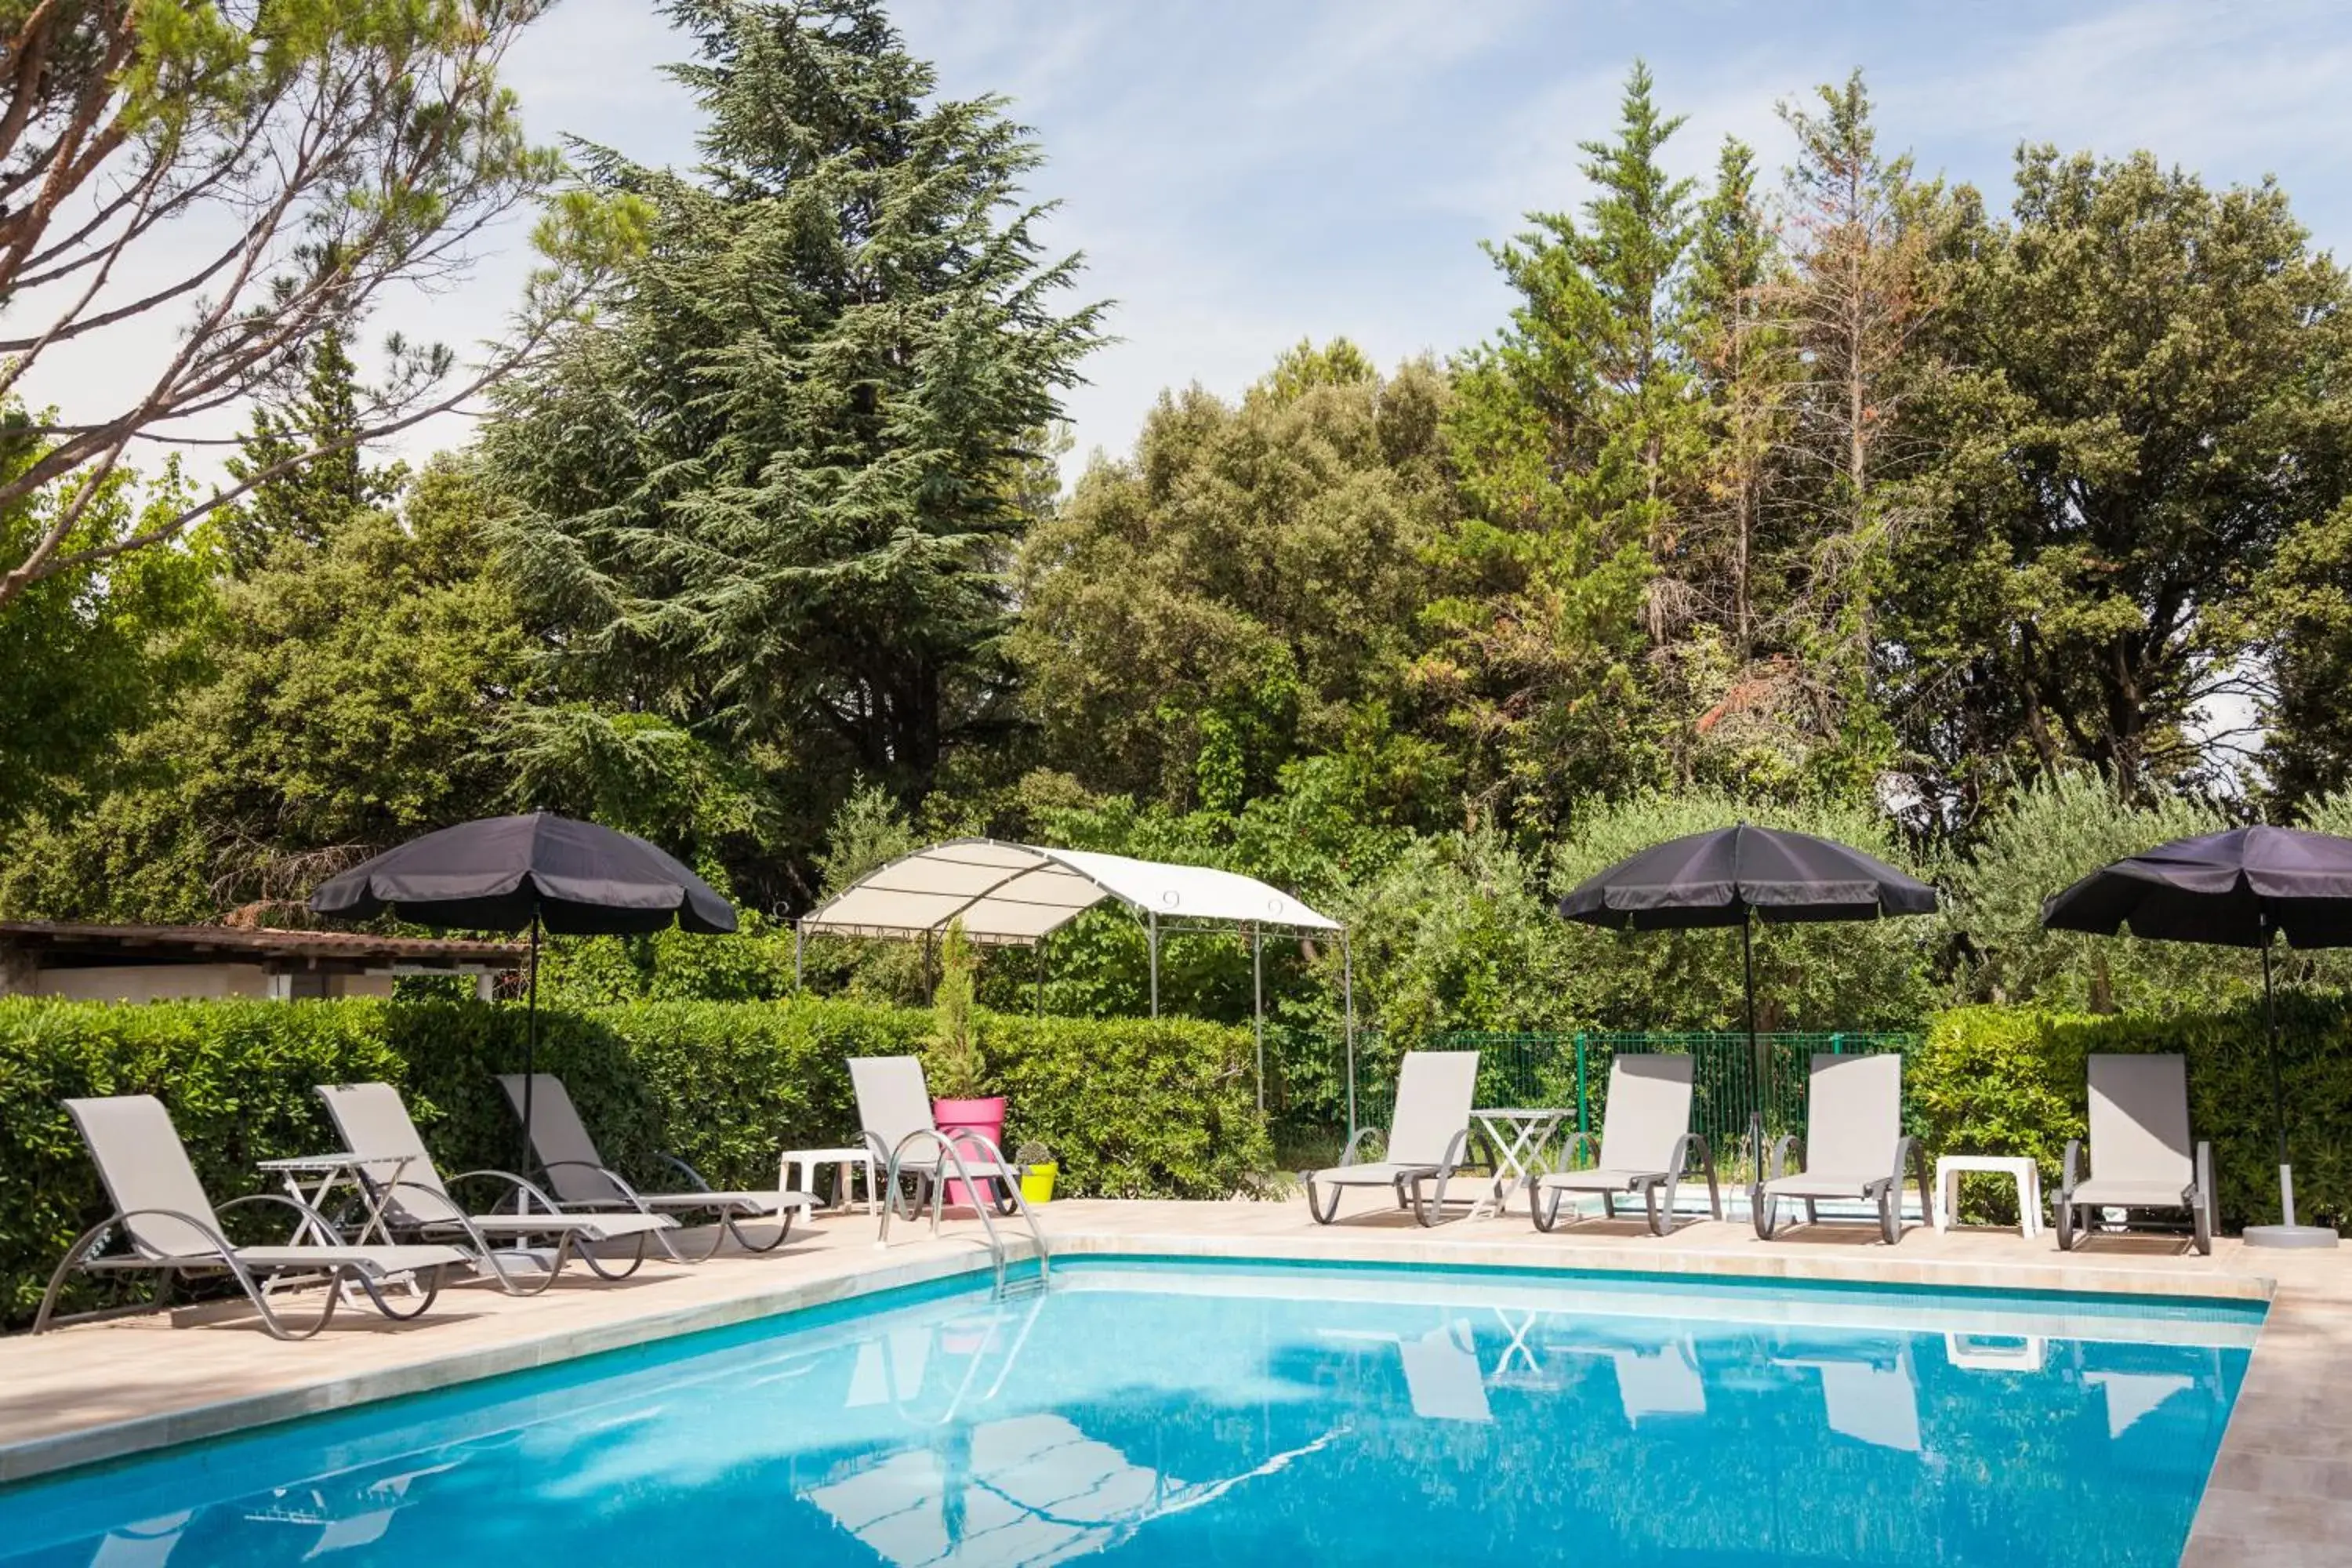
point(1997, 1080)
point(951, 1056)
point(2054, 832)
point(1132, 1107)
point(237, 1076)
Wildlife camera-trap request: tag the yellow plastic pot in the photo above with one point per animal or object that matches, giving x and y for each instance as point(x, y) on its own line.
point(1037, 1182)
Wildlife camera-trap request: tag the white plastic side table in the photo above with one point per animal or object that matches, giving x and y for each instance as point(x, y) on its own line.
point(2027, 1174)
point(847, 1164)
point(1518, 1137)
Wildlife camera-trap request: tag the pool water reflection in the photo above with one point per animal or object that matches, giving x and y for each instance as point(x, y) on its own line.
point(1146, 1413)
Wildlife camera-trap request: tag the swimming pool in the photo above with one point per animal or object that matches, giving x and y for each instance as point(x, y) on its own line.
point(1149, 1412)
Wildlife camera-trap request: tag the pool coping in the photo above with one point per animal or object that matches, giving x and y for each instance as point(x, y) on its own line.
point(867, 1272)
point(104, 1442)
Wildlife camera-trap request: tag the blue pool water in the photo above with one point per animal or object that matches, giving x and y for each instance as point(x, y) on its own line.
point(1145, 1413)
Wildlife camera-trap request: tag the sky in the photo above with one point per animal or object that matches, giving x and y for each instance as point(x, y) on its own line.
point(1243, 175)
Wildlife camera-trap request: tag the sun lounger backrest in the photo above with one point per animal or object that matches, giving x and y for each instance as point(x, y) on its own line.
point(1647, 1113)
point(375, 1125)
point(560, 1141)
point(893, 1102)
point(144, 1165)
point(1854, 1114)
point(1434, 1090)
point(2139, 1119)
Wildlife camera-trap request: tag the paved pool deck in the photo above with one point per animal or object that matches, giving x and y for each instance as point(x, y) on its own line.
point(2281, 1492)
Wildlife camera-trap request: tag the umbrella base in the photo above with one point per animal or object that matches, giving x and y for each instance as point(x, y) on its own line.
point(2289, 1236)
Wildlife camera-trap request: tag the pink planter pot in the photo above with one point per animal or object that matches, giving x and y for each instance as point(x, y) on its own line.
point(985, 1117)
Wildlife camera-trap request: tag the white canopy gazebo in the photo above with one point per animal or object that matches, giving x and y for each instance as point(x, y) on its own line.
point(1019, 894)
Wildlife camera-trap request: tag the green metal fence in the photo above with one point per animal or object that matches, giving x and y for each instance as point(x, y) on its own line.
point(1731, 1083)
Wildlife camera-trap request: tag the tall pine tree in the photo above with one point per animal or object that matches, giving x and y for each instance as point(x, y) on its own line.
point(1576, 436)
point(769, 492)
point(303, 504)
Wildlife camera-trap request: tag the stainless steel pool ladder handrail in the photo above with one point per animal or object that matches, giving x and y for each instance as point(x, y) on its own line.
point(938, 1176)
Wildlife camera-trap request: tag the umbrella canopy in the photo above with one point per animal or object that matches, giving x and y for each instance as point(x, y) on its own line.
point(1717, 878)
point(1725, 876)
point(503, 872)
point(2228, 889)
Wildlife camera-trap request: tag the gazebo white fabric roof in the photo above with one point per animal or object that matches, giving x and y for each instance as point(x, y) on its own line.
point(1020, 892)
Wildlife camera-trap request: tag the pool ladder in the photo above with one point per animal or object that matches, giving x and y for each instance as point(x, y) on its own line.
point(953, 1156)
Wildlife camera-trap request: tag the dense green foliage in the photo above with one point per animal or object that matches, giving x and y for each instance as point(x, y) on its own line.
point(1242, 591)
point(2012, 1081)
point(1130, 1109)
point(1839, 497)
point(347, 693)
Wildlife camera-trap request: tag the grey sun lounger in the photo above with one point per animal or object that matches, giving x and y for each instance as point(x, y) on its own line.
point(2143, 1159)
point(1428, 1139)
point(172, 1228)
point(1854, 1146)
point(584, 1184)
point(1646, 1146)
point(374, 1124)
point(893, 1114)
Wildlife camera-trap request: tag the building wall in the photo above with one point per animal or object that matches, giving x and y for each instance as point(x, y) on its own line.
point(196, 982)
point(154, 982)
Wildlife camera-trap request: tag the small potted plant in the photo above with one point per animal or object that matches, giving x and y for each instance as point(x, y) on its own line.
point(952, 1060)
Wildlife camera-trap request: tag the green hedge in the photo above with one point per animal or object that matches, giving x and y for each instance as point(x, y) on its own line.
point(1131, 1108)
point(2012, 1080)
point(237, 1078)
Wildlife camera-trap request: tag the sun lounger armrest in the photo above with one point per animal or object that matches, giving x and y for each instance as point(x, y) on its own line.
point(98, 1233)
point(2203, 1191)
point(2070, 1172)
point(96, 1237)
point(683, 1169)
point(1352, 1152)
point(628, 1193)
point(524, 1191)
point(1908, 1150)
point(334, 1236)
point(1457, 1149)
point(1588, 1142)
point(1771, 1164)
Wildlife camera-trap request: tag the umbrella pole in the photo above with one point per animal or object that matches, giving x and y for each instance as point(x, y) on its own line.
point(1348, 1002)
point(1748, 988)
point(530, 1046)
point(2278, 1093)
point(1257, 1002)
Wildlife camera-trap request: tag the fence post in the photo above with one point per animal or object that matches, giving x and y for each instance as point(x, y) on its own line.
point(1837, 1044)
point(1580, 1120)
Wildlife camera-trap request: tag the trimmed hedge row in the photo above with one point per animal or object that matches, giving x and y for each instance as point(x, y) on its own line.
point(1130, 1108)
point(2012, 1080)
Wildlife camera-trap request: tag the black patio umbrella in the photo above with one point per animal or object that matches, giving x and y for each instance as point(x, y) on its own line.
point(503, 873)
point(2237, 889)
point(1735, 875)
